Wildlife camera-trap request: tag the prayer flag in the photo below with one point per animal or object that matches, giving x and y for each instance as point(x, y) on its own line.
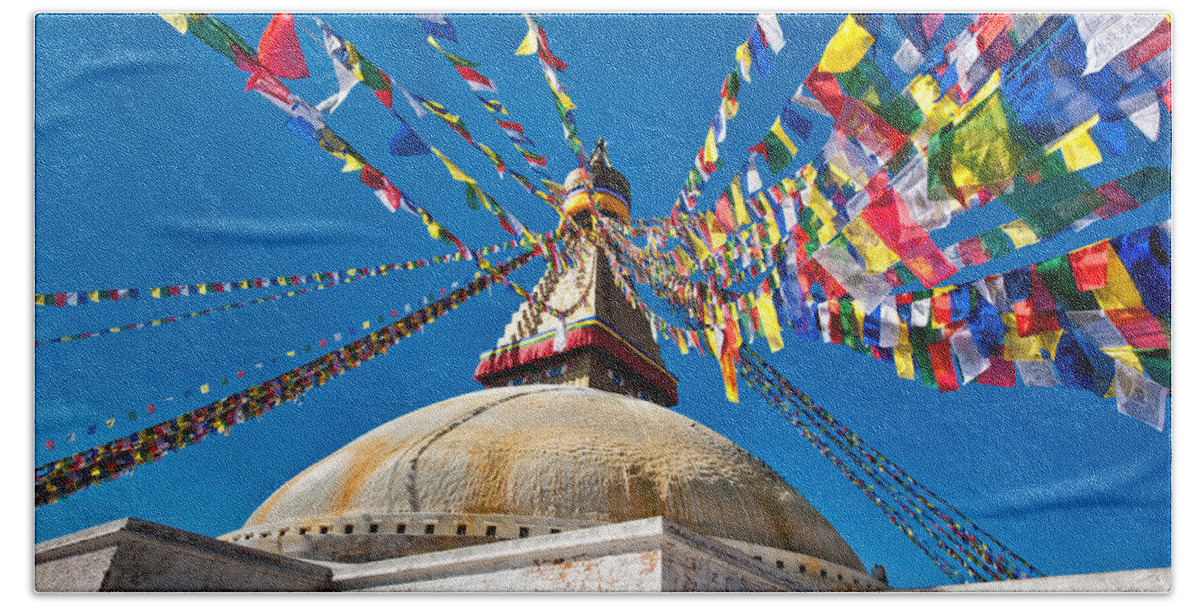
point(776, 147)
point(438, 25)
point(768, 27)
point(177, 21)
point(406, 142)
point(475, 80)
point(847, 47)
point(799, 125)
point(279, 48)
point(455, 173)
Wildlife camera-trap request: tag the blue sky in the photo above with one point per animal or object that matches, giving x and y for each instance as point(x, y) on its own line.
point(153, 167)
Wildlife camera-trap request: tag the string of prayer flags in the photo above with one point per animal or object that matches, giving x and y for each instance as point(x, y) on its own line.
point(477, 82)
point(198, 313)
point(388, 194)
point(765, 34)
point(351, 68)
point(79, 298)
point(204, 389)
point(536, 42)
point(1065, 320)
point(960, 548)
point(61, 478)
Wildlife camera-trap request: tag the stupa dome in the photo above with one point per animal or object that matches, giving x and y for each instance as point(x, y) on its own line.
point(526, 460)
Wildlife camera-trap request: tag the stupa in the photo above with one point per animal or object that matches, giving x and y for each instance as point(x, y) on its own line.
point(568, 472)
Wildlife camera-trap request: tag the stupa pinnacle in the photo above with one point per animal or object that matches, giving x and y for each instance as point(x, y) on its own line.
point(599, 341)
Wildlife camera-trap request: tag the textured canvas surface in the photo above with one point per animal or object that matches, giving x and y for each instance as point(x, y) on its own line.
point(938, 244)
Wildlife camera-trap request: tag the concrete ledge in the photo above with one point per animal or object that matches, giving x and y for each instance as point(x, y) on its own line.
point(1156, 580)
point(652, 554)
point(136, 555)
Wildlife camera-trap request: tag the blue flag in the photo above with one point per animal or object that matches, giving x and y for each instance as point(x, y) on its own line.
point(798, 124)
point(407, 142)
point(437, 25)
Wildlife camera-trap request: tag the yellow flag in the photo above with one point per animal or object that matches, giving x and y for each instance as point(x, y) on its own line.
point(353, 163)
point(768, 320)
point(1078, 149)
point(846, 48)
point(1020, 233)
point(1049, 341)
point(1125, 355)
point(777, 129)
point(529, 45)
point(1120, 291)
point(94, 296)
point(878, 257)
point(1016, 347)
point(821, 206)
point(203, 389)
point(710, 147)
point(1081, 152)
point(565, 100)
point(177, 21)
point(741, 214)
point(201, 288)
point(156, 292)
point(715, 232)
point(742, 56)
point(902, 354)
point(456, 173)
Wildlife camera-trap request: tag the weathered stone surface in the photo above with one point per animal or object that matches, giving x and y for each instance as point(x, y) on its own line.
point(136, 555)
point(548, 456)
point(1154, 580)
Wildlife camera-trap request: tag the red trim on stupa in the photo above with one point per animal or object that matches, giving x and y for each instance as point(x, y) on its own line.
point(592, 334)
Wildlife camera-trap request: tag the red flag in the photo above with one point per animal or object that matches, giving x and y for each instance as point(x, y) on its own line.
point(941, 309)
point(1119, 201)
point(1139, 328)
point(943, 366)
point(279, 48)
point(385, 95)
point(475, 80)
point(1090, 266)
point(835, 322)
point(999, 373)
point(1156, 42)
point(725, 214)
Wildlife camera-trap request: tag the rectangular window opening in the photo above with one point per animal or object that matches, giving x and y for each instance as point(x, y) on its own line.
point(490, 531)
point(523, 532)
point(429, 528)
point(461, 529)
point(349, 529)
point(374, 529)
point(400, 528)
